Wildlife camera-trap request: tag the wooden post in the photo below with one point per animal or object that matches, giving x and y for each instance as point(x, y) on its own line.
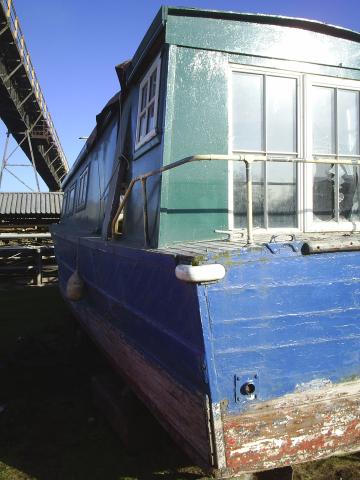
point(38, 261)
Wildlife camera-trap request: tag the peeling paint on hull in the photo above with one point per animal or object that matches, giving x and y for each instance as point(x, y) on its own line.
point(294, 429)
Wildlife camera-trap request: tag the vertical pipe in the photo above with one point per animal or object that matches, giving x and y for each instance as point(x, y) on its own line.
point(250, 239)
point(4, 159)
point(145, 213)
point(336, 167)
point(264, 165)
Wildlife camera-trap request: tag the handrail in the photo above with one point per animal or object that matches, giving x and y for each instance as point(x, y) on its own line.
point(14, 26)
point(247, 159)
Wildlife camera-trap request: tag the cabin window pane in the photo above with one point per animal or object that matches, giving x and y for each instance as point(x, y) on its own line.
point(142, 127)
point(323, 120)
point(335, 125)
point(144, 97)
point(281, 114)
point(247, 111)
point(153, 85)
point(240, 195)
point(80, 194)
point(64, 204)
point(150, 119)
point(264, 111)
point(82, 189)
point(323, 192)
point(148, 104)
point(349, 192)
point(348, 120)
point(281, 195)
point(71, 200)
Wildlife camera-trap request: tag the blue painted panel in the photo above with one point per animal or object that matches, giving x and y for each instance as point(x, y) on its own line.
point(288, 318)
point(256, 333)
point(137, 292)
point(281, 369)
point(283, 300)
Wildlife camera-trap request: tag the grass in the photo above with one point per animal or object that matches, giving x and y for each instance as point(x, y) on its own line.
point(49, 428)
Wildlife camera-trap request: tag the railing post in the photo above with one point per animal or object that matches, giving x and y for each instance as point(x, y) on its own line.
point(250, 237)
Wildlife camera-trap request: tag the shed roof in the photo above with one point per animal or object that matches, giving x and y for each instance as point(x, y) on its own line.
point(23, 204)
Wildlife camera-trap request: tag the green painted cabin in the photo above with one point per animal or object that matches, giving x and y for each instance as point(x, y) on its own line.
point(230, 83)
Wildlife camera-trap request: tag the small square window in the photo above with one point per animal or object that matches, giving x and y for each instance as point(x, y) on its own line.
point(71, 200)
point(64, 204)
point(148, 105)
point(83, 182)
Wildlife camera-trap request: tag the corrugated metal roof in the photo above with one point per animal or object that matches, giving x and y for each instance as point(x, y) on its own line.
point(24, 204)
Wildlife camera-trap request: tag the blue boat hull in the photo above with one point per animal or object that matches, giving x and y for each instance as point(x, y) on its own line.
point(284, 322)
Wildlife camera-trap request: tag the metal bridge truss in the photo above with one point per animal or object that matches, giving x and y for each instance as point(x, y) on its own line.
point(22, 106)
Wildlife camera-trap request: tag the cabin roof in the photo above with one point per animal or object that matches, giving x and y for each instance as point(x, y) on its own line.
point(160, 20)
point(304, 23)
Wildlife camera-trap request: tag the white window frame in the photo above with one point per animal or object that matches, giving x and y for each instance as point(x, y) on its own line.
point(64, 204)
point(70, 206)
point(299, 139)
point(146, 81)
point(81, 196)
point(309, 224)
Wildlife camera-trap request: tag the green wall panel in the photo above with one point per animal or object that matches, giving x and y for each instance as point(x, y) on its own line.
point(194, 197)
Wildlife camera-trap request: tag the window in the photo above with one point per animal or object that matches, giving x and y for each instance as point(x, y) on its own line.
point(334, 132)
point(82, 191)
point(264, 121)
point(283, 114)
point(64, 204)
point(148, 105)
point(70, 200)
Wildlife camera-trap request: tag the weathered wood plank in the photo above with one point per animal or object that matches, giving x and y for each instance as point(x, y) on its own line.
point(298, 427)
point(182, 413)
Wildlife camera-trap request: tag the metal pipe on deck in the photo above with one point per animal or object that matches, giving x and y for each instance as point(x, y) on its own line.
point(249, 199)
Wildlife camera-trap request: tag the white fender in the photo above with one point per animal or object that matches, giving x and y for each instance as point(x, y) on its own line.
point(75, 287)
point(200, 273)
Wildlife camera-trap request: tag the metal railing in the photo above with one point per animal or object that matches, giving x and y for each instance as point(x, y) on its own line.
point(17, 34)
point(248, 160)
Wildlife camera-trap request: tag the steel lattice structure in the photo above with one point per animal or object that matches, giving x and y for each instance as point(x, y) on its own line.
point(23, 108)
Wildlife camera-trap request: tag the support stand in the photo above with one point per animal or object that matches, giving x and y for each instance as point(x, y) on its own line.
point(4, 159)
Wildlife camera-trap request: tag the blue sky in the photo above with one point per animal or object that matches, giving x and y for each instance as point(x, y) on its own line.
point(74, 46)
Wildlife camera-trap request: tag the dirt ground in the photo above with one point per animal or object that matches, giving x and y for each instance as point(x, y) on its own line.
point(49, 427)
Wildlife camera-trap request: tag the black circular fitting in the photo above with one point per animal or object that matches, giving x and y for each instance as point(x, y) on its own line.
point(247, 389)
